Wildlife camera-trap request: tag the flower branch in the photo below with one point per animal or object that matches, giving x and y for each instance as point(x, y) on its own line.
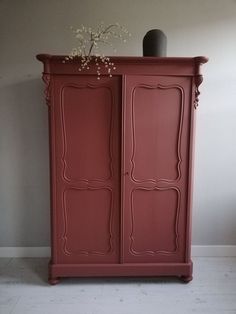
point(90, 40)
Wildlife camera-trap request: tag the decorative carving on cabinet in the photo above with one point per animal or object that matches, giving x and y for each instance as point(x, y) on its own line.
point(178, 146)
point(47, 92)
point(132, 249)
point(198, 78)
point(111, 123)
point(65, 236)
point(198, 82)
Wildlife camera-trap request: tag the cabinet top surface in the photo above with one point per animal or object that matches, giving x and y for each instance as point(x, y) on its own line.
point(190, 66)
point(129, 59)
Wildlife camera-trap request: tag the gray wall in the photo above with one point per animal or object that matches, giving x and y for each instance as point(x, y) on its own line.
point(28, 27)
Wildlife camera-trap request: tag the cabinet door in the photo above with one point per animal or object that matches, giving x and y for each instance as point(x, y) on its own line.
point(85, 167)
point(156, 134)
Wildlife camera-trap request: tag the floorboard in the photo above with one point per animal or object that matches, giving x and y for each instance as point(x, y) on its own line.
point(24, 290)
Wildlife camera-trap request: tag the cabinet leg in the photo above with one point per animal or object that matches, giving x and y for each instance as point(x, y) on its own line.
point(53, 280)
point(186, 279)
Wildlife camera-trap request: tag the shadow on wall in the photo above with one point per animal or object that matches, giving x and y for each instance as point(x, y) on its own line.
point(24, 167)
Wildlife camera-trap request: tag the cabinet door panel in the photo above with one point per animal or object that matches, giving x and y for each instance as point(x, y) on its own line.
point(155, 163)
point(87, 145)
point(87, 122)
point(156, 156)
point(154, 216)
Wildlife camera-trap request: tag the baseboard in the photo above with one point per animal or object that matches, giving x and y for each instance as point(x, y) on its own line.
point(213, 250)
point(25, 251)
point(197, 251)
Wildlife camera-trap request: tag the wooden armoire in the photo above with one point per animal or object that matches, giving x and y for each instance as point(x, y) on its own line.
point(121, 156)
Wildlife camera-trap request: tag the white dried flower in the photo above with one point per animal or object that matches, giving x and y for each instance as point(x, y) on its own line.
point(90, 39)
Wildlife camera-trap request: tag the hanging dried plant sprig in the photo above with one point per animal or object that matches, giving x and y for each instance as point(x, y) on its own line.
point(90, 42)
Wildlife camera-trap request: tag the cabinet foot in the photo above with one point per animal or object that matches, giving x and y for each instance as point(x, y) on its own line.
point(186, 279)
point(53, 280)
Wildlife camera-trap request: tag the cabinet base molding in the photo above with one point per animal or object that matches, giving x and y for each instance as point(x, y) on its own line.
point(182, 270)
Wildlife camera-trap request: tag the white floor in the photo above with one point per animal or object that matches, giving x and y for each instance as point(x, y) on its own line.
point(24, 290)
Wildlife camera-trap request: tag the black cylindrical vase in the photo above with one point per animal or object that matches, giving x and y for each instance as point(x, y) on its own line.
point(154, 44)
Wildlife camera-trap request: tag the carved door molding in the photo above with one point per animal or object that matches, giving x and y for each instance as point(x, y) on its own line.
point(156, 116)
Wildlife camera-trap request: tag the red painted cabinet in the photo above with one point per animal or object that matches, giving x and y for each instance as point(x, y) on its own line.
point(121, 166)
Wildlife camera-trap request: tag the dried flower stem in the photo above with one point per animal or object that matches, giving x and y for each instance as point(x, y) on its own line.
point(89, 40)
